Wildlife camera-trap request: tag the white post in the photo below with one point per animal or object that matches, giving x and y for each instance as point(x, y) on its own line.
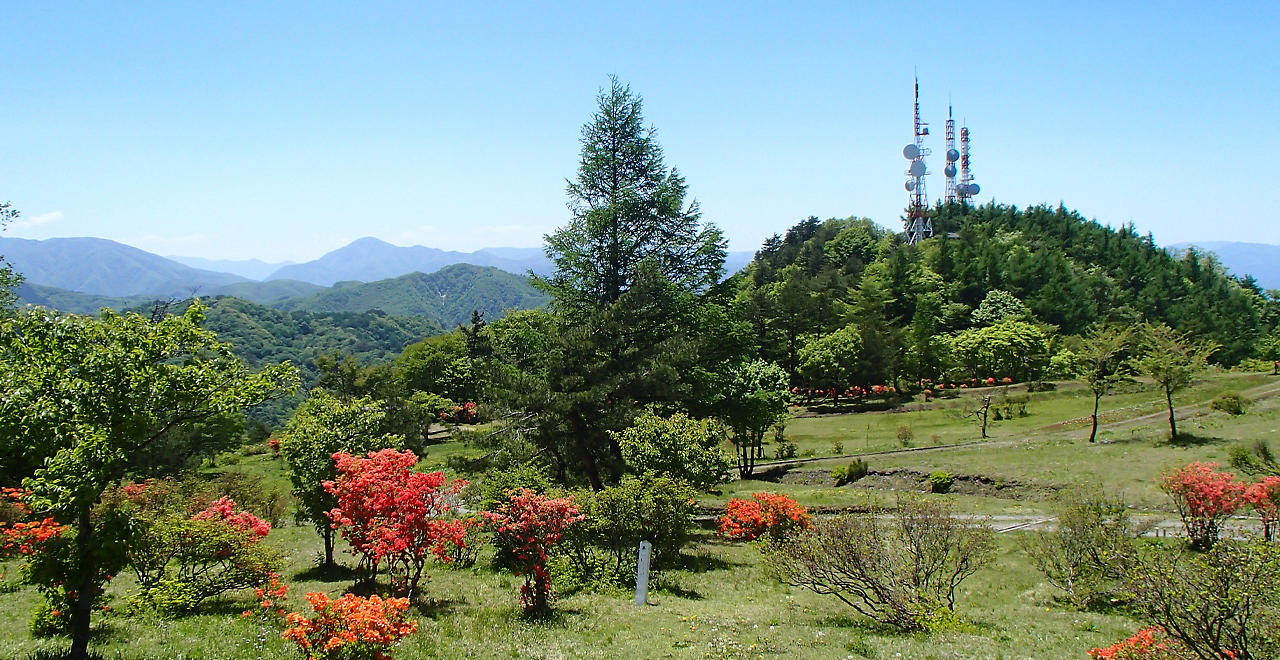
point(642, 574)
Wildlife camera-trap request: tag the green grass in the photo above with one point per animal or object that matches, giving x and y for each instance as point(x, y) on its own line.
point(724, 605)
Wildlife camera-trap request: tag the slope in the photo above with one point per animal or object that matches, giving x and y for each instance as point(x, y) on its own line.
point(447, 295)
point(102, 267)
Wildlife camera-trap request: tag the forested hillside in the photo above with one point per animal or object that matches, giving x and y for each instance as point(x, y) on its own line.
point(106, 268)
point(448, 295)
point(1068, 271)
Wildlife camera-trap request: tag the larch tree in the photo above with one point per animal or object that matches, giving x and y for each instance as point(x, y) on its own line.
point(1172, 359)
point(1100, 363)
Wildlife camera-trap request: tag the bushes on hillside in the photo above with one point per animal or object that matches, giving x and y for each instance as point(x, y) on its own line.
point(847, 474)
point(1204, 498)
point(902, 570)
point(1231, 403)
point(533, 524)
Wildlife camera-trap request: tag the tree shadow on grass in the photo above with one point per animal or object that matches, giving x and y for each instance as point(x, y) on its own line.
point(678, 591)
point(1189, 439)
point(705, 562)
point(434, 608)
point(556, 617)
point(335, 573)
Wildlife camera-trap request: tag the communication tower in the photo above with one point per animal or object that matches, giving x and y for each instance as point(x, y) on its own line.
point(966, 189)
point(917, 222)
point(952, 157)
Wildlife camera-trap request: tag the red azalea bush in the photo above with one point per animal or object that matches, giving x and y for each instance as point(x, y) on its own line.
point(463, 414)
point(274, 444)
point(1204, 498)
point(389, 513)
point(1264, 496)
point(1148, 644)
point(351, 627)
point(23, 535)
point(532, 525)
point(773, 514)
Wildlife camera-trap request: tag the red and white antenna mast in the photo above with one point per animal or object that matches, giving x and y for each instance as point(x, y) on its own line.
point(917, 221)
point(952, 157)
point(966, 189)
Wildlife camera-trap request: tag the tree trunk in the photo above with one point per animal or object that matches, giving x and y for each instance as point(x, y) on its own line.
point(1097, 398)
point(1173, 425)
point(326, 532)
point(588, 459)
point(83, 605)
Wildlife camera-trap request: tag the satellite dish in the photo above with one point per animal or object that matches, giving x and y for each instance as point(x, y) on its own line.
point(917, 168)
point(911, 185)
point(952, 155)
point(974, 189)
point(911, 152)
point(950, 170)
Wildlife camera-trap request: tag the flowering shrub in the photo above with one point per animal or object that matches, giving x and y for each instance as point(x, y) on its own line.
point(1149, 644)
point(274, 445)
point(1204, 498)
point(1264, 496)
point(24, 537)
point(389, 513)
point(463, 414)
point(532, 524)
point(770, 513)
point(350, 628)
point(224, 509)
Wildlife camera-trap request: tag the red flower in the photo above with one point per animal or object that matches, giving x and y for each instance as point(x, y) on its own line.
point(770, 513)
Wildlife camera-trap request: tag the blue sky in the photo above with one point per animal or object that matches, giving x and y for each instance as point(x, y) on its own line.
point(281, 131)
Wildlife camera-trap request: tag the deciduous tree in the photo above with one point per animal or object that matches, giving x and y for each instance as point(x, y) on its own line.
point(1173, 360)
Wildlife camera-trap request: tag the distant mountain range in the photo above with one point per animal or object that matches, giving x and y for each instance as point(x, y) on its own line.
point(254, 269)
point(1260, 260)
point(369, 260)
point(105, 268)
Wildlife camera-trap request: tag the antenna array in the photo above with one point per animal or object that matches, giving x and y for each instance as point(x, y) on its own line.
point(917, 221)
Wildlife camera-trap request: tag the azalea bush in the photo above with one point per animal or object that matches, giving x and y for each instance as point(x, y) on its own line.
point(1264, 497)
point(394, 516)
point(184, 555)
point(1205, 499)
point(351, 627)
point(770, 514)
point(532, 525)
point(1086, 553)
point(1149, 644)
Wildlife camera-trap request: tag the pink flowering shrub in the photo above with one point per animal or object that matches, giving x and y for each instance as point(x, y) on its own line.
point(1204, 498)
point(532, 525)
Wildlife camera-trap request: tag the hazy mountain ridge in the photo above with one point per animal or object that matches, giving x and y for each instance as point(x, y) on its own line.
point(370, 259)
point(102, 267)
point(254, 269)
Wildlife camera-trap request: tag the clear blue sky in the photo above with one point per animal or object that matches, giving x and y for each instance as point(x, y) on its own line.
point(280, 131)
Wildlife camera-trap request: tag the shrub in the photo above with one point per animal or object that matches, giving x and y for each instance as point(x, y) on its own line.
point(498, 484)
point(678, 446)
point(389, 513)
point(1264, 496)
point(1085, 554)
point(902, 570)
point(1149, 644)
point(1254, 458)
point(847, 474)
point(1218, 604)
point(248, 490)
point(604, 547)
point(785, 450)
point(1204, 498)
point(905, 435)
point(941, 481)
point(837, 448)
point(351, 627)
point(1231, 403)
point(767, 514)
point(533, 524)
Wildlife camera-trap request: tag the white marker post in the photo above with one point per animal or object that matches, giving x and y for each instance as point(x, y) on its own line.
point(642, 574)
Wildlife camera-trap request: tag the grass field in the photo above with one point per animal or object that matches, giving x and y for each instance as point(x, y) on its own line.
point(722, 605)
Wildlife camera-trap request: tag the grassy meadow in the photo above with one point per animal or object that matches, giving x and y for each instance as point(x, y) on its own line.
point(721, 604)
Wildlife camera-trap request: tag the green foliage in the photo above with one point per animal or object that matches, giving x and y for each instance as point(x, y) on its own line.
point(85, 398)
point(940, 481)
point(447, 296)
point(1253, 458)
point(439, 365)
point(604, 547)
point(323, 426)
point(628, 209)
point(831, 361)
point(847, 474)
point(1007, 349)
point(753, 401)
point(1000, 306)
point(1172, 359)
point(680, 447)
point(1231, 403)
point(497, 483)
